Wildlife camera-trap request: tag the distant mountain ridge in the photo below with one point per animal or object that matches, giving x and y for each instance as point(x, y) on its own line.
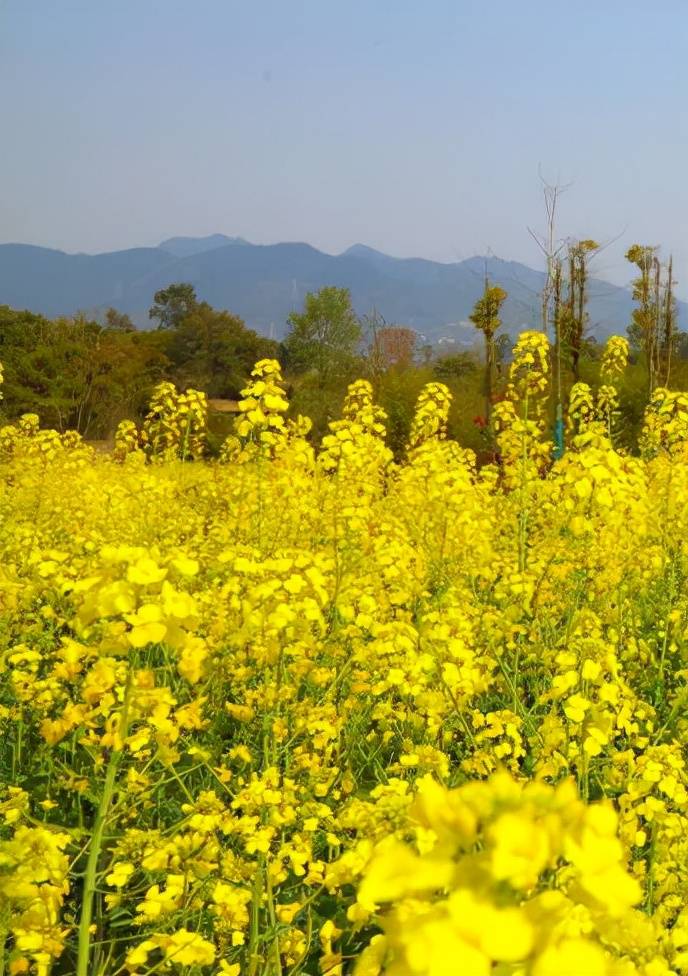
point(264, 283)
point(184, 247)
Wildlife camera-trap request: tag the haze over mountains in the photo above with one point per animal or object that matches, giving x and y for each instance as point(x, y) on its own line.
point(263, 283)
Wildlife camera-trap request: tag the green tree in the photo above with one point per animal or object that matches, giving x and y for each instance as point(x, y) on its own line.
point(668, 324)
point(371, 324)
point(653, 325)
point(503, 346)
point(117, 321)
point(130, 364)
point(681, 346)
point(453, 367)
point(572, 316)
point(74, 373)
point(51, 371)
point(485, 317)
point(325, 336)
point(214, 351)
point(172, 304)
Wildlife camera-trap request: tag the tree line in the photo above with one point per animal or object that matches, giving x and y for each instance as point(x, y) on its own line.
point(79, 373)
point(87, 375)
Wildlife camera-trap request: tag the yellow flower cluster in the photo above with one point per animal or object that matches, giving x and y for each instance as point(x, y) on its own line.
point(529, 371)
point(175, 426)
point(26, 439)
point(359, 435)
point(298, 711)
point(127, 439)
point(503, 875)
point(261, 429)
point(665, 426)
point(614, 358)
point(432, 413)
point(519, 420)
point(607, 406)
point(34, 881)
point(581, 407)
point(591, 417)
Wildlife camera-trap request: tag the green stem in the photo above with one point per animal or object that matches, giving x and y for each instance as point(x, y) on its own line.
point(4, 929)
point(523, 495)
point(273, 923)
point(253, 954)
point(667, 626)
point(17, 751)
point(650, 900)
point(91, 875)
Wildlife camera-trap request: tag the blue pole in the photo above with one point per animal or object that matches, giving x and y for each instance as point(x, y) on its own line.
point(559, 434)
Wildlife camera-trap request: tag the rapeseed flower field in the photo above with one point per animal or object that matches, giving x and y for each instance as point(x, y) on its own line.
point(313, 710)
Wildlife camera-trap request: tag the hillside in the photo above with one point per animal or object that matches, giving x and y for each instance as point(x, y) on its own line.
point(263, 283)
point(184, 247)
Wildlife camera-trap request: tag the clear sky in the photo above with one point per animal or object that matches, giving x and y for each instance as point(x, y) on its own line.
point(415, 126)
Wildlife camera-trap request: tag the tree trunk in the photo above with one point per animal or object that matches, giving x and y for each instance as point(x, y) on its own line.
point(489, 378)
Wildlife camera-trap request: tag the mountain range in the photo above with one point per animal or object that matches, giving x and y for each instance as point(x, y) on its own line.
point(264, 283)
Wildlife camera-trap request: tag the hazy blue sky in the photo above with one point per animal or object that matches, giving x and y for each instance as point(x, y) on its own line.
point(416, 127)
